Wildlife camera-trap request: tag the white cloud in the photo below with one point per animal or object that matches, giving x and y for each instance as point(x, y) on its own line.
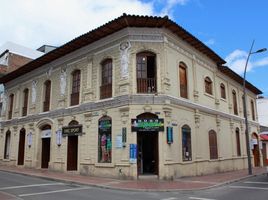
point(170, 6)
point(33, 23)
point(237, 61)
point(210, 42)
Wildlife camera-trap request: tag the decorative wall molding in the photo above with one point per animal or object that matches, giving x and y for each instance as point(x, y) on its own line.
point(125, 100)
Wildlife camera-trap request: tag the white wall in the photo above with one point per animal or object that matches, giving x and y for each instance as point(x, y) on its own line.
point(262, 108)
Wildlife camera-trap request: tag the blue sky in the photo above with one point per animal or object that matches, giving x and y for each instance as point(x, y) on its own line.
point(226, 26)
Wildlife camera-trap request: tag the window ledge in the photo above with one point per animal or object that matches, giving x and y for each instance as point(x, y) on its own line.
point(209, 95)
point(103, 165)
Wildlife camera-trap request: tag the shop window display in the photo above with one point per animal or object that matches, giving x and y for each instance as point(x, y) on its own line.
point(105, 140)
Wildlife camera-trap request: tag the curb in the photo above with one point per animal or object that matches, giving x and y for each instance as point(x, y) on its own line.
point(130, 189)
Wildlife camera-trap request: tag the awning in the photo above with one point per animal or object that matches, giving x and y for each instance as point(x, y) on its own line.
point(264, 137)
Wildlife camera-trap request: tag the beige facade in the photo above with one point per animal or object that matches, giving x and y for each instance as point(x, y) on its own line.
point(201, 112)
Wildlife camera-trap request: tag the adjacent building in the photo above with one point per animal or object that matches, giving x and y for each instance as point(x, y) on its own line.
point(137, 96)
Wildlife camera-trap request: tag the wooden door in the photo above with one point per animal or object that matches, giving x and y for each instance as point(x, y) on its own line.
point(264, 154)
point(256, 155)
point(72, 153)
point(21, 148)
point(45, 152)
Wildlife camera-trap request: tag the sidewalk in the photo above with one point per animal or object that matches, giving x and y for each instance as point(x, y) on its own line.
point(188, 183)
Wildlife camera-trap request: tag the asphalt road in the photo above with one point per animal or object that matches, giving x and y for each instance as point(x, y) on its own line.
point(16, 186)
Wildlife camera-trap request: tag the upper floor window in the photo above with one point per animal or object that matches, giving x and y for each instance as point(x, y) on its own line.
point(234, 102)
point(11, 102)
point(252, 110)
point(106, 79)
point(76, 78)
point(213, 147)
point(223, 92)
point(25, 102)
point(47, 90)
point(183, 80)
point(186, 143)
point(146, 72)
point(208, 85)
point(238, 146)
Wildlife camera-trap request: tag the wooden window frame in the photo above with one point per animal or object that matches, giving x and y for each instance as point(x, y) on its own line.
point(252, 110)
point(25, 101)
point(183, 81)
point(76, 83)
point(223, 91)
point(47, 96)
point(106, 79)
point(235, 106)
point(208, 86)
point(11, 104)
point(146, 84)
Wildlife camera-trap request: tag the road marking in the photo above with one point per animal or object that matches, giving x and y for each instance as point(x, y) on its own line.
point(198, 198)
point(55, 191)
point(25, 186)
point(265, 183)
point(245, 187)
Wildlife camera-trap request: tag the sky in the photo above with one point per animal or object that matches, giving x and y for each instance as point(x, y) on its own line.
point(228, 27)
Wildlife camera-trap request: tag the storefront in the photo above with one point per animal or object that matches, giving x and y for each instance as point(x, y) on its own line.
point(147, 126)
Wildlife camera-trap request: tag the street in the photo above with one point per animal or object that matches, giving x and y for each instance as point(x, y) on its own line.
point(16, 186)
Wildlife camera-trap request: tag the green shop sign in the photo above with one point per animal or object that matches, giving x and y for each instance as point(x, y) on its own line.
point(147, 125)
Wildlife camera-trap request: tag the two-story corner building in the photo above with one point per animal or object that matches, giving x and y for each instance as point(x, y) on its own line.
point(139, 95)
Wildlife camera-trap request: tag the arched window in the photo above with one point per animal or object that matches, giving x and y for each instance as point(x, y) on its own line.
point(186, 143)
point(146, 72)
point(11, 102)
point(106, 79)
point(223, 92)
point(252, 110)
point(105, 140)
point(213, 147)
point(234, 102)
point(208, 85)
point(25, 102)
point(75, 87)
point(238, 146)
point(183, 80)
point(7, 145)
point(47, 90)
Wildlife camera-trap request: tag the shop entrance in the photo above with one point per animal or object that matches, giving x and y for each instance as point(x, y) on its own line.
point(45, 152)
point(72, 153)
point(264, 154)
point(147, 144)
point(21, 147)
point(147, 153)
point(256, 152)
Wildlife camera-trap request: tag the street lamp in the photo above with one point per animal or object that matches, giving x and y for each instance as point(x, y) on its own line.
point(245, 106)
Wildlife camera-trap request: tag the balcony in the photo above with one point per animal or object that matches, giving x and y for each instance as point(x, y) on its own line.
point(105, 91)
point(146, 85)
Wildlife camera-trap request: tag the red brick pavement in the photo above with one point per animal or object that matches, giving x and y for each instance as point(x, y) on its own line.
point(188, 183)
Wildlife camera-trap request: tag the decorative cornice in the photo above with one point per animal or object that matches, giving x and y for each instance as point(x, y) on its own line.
point(122, 101)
